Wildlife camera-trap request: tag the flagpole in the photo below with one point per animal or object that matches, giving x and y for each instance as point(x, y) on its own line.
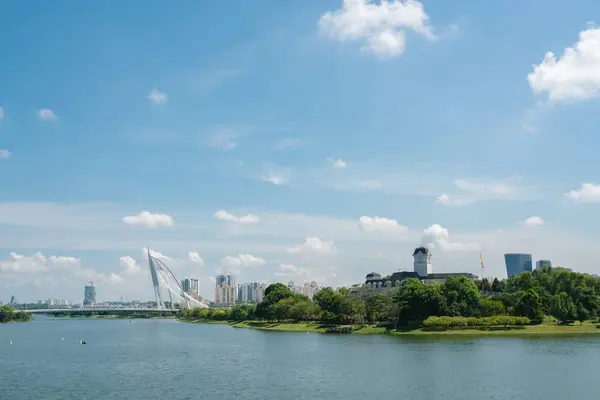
point(481, 267)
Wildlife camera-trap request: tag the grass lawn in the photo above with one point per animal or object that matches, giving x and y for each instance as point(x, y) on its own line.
point(547, 328)
point(203, 321)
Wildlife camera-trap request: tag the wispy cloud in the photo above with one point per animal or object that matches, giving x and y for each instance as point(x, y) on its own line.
point(157, 97)
point(224, 137)
point(287, 143)
point(473, 191)
point(276, 175)
point(337, 162)
point(46, 114)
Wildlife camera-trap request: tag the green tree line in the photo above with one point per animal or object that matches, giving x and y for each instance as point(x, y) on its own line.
point(8, 314)
point(565, 295)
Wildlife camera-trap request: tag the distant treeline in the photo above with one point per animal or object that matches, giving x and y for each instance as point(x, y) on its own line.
point(567, 296)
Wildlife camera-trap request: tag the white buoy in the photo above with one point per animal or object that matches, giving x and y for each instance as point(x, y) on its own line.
point(10, 341)
point(62, 339)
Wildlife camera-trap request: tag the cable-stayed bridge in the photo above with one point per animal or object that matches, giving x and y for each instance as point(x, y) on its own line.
point(169, 296)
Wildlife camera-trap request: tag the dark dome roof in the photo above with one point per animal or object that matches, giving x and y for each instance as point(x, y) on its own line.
point(421, 249)
point(373, 275)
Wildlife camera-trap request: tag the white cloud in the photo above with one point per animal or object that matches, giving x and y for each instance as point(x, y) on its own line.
point(452, 201)
point(246, 219)
point(154, 253)
point(274, 179)
point(475, 191)
point(47, 114)
point(223, 138)
point(4, 154)
point(129, 265)
point(533, 222)
point(314, 245)
point(287, 143)
point(573, 76)
point(337, 162)
point(18, 263)
point(438, 237)
point(47, 271)
point(380, 26)
point(114, 278)
point(589, 192)
point(157, 97)
point(242, 260)
point(276, 175)
point(148, 220)
point(291, 270)
point(195, 257)
point(381, 225)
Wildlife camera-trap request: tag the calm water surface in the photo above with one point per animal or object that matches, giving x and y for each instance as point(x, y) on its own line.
point(165, 359)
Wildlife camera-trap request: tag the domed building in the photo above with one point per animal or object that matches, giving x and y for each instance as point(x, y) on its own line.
point(422, 270)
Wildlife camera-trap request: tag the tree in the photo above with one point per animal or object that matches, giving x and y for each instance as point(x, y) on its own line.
point(485, 285)
point(489, 308)
point(416, 302)
point(244, 312)
point(379, 307)
point(325, 298)
point(530, 306)
point(304, 310)
point(462, 296)
point(563, 308)
point(279, 310)
point(582, 313)
point(276, 292)
point(497, 286)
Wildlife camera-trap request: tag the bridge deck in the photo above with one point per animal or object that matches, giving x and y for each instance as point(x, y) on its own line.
point(52, 310)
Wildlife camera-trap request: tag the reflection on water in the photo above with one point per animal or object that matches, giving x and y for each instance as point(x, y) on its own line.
point(165, 359)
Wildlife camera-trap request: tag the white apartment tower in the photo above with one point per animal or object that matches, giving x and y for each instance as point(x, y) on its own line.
point(310, 289)
point(225, 290)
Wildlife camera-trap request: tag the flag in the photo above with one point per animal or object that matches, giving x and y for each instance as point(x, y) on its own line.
point(481, 261)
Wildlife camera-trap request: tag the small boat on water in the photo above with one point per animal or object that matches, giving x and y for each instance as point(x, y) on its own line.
point(82, 342)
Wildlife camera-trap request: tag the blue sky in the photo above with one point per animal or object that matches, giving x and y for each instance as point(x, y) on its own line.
point(252, 108)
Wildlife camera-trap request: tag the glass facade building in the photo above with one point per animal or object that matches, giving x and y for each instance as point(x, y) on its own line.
point(547, 263)
point(89, 295)
point(517, 263)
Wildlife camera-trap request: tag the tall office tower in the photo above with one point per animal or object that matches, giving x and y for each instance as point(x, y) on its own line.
point(517, 263)
point(540, 263)
point(89, 295)
point(185, 285)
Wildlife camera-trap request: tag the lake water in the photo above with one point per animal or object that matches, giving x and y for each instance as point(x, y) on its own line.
point(166, 359)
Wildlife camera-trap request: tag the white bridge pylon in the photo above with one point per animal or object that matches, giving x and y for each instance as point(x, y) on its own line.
point(163, 277)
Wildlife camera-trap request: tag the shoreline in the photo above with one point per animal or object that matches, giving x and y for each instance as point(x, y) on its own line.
point(529, 331)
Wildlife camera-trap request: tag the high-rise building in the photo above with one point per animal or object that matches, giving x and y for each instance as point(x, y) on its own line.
point(539, 263)
point(310, 289)
point(258, 292)
point(295, 289)
point(517, 263)
point(190, 286)
point(89, 295)
point(225, 280)
point(250, 292)
point(225, 291)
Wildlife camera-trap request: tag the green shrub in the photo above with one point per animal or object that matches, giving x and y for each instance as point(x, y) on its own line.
point(445, 323)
